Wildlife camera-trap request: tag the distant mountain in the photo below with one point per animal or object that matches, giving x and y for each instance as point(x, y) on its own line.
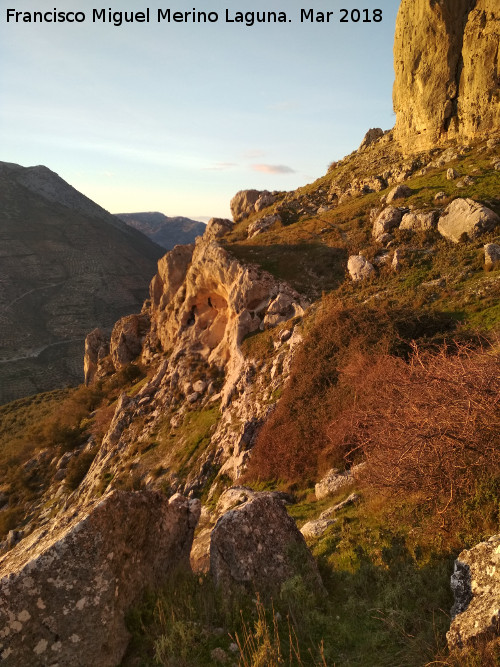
point(166, 232)
point(66, 267)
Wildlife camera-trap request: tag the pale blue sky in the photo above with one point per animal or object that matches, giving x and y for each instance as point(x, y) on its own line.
point(178, 117)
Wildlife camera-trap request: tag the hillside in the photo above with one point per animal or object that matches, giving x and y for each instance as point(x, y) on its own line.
point(67, 266)
point(307, 405)
point(166, 231)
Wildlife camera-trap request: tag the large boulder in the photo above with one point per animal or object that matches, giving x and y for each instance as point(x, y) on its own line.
point(476, 586)
point(243, 203)
point(64, 593)
point(466, 217)
point(258, 547)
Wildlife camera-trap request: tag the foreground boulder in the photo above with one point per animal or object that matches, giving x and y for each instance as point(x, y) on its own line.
point(257, 547)
point(466, 217)
point(64, 593)
point(476, 586)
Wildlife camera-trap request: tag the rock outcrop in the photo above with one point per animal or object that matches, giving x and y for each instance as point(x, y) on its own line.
point(203, 303)
point(258, 547)
point(243, 203)
point(446, 59)
point(64, 592)
point(476, 587)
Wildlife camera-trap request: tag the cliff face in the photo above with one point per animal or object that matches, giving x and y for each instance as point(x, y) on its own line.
point(203, 303)
point(447, 67)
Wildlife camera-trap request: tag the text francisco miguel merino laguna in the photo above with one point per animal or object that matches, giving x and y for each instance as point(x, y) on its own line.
point(118, 18)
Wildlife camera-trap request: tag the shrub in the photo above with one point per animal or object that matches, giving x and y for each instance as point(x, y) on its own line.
point(293, 444)
point(431, 424)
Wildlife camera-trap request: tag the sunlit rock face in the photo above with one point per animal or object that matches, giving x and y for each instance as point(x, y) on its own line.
point(447, 71)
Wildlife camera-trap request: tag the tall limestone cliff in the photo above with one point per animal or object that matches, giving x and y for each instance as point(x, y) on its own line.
point(447, 66)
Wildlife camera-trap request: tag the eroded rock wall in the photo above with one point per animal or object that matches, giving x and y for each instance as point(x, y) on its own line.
point(447, 67)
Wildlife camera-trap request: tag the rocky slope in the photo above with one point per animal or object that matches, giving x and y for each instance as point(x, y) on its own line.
point(447, 64)
point(187, 387)
point(67, 265)
point(166, 231)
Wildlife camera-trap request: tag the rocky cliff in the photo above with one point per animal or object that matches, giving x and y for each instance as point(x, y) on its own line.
point(447, 66)
point(203, 303)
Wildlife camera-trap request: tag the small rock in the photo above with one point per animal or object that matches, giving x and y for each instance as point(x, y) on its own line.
point(440, 196)
point(359, 267)
point(350, 500)
point(199, 386)
point(192, 398)
point(316, 528)
point(491, 256)
point(219, 655)
point(258, 546)
point(386, 221)
point(331, 483)
point(476, 588)
point(399, 192)
point(465, 182)
point(451, 174)
point(396, 260)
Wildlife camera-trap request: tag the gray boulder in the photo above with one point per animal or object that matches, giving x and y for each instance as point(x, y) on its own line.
point(466, 216)
point(258, 547)
point(64, 592)
point(476, 586)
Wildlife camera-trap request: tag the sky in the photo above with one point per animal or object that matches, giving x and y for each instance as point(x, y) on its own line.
point(177, 117)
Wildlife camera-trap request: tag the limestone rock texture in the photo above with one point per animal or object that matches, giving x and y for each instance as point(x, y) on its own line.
point(203, 303)
point(64, 591)
point(476, 586)
point(258, 547)
point(243, 203)
point(466, 217)
point(447, 71)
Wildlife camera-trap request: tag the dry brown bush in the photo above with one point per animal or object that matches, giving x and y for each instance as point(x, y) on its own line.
point(293, 443)
point(431, 424)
